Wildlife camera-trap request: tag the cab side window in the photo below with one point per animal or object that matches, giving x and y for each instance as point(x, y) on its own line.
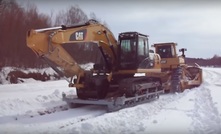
point(142, 47)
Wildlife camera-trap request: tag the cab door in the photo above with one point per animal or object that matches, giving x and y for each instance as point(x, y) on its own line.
point(128, 53)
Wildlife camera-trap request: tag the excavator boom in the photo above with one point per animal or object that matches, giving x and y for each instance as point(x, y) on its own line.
point(49, 44)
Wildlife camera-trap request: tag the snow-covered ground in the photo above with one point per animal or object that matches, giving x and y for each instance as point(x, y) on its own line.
point(36, 107)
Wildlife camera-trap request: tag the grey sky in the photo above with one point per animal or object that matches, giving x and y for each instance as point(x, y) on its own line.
point(194, 25)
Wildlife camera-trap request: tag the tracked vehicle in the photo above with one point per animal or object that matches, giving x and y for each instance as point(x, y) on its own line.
point(175, 74)
point(111, 80)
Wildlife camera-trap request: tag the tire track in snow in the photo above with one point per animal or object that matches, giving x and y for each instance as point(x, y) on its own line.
point(53, 123)
point(85, 112)
point(206, 118)
point(32, 114)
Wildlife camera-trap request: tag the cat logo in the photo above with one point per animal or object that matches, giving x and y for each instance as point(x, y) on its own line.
point(78, 35)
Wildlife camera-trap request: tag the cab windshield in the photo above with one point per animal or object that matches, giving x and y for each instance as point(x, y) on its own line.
point(165, 51)
point(128, 50)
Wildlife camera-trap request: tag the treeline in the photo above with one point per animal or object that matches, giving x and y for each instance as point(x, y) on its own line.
point(15, 21)
point(215, 61)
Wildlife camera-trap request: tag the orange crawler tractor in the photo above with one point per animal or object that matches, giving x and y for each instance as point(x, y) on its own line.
point(175, 74)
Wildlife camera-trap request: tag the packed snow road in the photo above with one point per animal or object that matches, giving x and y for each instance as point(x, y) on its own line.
point(36, 107)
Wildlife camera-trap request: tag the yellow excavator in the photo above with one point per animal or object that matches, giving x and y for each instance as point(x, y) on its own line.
point(111, 81)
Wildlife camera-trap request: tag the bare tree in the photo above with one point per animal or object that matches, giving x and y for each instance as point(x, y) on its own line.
point(72, 16)
point(94, 17)
point(14, 23)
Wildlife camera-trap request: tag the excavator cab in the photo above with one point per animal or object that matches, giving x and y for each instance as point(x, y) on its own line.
point(133, 51)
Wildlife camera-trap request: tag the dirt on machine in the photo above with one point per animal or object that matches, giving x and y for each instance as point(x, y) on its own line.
point(111, 81)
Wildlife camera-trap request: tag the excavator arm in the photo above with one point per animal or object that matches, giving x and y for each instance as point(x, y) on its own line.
point(49, 45)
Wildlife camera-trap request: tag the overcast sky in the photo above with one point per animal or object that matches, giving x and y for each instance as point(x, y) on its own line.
point(195, 25)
